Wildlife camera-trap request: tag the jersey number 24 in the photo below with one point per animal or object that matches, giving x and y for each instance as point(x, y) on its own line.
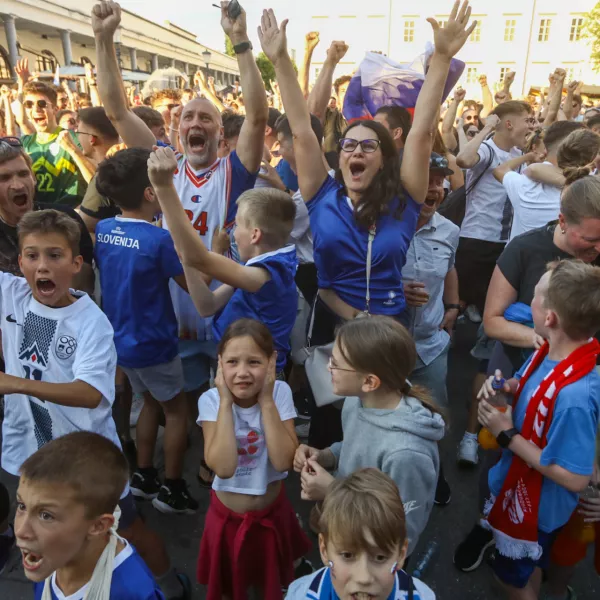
point(200, 223)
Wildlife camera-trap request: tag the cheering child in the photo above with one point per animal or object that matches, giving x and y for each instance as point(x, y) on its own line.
point(549, 448)
point(252, 535)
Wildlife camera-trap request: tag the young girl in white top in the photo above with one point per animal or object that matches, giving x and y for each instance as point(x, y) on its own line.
point(251, 536)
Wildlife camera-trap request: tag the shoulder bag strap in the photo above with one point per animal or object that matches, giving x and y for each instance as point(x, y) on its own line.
point(483, 172)
point(372, 231)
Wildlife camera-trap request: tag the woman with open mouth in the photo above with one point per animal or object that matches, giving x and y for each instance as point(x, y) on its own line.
point(363, 220)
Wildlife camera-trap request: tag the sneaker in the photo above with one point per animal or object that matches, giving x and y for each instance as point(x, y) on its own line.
point(137, 404)
point(302, 430)
point(470, 552)
point(6, 545)
point(175, 500)
point(473, 314)
point(468, 451)
point(144, 486)
point(442, 492)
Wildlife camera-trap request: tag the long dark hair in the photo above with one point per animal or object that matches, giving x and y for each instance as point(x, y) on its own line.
point(386, 184)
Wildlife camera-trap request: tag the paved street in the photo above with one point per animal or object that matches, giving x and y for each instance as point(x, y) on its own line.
point(447, 525)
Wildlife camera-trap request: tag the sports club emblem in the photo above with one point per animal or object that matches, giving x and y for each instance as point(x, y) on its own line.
point(65, 347)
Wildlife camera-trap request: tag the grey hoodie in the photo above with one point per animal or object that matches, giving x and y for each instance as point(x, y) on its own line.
point(403, 444)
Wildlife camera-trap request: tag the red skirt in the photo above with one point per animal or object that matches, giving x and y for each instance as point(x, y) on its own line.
point(254, 549)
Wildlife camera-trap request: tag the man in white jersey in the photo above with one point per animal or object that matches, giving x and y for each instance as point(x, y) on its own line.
point(208, 186)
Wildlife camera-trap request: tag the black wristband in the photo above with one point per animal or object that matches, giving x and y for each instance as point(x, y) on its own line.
point(450, 306)
point(242, 47)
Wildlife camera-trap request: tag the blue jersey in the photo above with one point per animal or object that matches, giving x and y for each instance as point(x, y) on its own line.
point(340, 250)
point(131, 580)
point(571, 442)
point(275, 304)
point(136, 261)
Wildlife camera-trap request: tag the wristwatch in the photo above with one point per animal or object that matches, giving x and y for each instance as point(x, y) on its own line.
point(242, 47)
point(450, 306)
point(504, 437)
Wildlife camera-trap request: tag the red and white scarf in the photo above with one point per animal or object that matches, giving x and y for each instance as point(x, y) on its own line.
point(513, 515)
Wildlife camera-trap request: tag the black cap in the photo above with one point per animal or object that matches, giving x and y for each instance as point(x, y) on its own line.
point(437, 162)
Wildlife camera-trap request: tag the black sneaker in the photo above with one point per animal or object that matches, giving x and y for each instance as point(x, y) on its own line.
point(6, 545)
point(442, 492)
point(175, 499)
point(470, 552)
point(144, 486)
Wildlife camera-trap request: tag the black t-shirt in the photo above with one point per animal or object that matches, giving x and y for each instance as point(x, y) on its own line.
point(523, 262)
point(9, 242)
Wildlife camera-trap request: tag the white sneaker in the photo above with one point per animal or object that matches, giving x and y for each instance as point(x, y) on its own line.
point(473, 314)
point(302, 430)
point(468, 451)
point(136, 408)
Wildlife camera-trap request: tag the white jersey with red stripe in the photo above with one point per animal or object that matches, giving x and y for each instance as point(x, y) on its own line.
point(209, 199)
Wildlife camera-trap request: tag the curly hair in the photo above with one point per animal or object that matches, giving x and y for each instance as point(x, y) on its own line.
point(386, 184)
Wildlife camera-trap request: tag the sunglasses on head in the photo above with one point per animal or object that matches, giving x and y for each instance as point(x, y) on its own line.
point(438, 162)
point(40, 103)
point(11, 141)
point(367, 146)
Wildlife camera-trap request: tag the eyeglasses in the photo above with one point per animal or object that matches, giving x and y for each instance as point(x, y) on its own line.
point(470, 118)
point(40, 103)
point(438, 162)
point(367, 146)
point(11, 141)
point(333, 367)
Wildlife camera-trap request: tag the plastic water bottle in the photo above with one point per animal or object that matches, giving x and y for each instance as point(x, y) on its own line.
point(428, 556)
point(500, 401)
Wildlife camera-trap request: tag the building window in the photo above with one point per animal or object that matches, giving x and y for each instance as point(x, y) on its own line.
point(409, 31)
point(503, 72)
point(576, 27)
point(472, 76)
point(5, 71)
point(476, 35)
point(544, 32)
point(509, 30)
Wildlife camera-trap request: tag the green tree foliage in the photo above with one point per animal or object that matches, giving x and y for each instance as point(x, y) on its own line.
point(591, 32)
point(267, 70)
point(228, 47)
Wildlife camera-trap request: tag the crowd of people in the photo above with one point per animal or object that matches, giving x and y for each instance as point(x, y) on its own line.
point(249, 265)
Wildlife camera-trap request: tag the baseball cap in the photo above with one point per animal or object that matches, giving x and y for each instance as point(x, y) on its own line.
point(437, 162)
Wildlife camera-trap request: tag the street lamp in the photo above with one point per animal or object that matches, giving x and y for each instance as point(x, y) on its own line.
point(207, 55)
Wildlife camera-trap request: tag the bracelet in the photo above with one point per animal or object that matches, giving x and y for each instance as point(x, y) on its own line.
point(451, 306)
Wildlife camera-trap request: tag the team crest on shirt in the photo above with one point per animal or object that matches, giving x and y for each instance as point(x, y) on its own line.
point(391, 301)
point(65, 347)
point(32, 356)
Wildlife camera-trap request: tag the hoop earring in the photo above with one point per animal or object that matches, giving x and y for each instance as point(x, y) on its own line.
point(394, 568)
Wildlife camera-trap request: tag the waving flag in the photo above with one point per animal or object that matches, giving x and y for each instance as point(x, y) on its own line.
point(57, 75)
point(379, 81)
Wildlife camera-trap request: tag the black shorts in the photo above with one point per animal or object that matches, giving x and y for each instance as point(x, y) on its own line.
point(475, 263)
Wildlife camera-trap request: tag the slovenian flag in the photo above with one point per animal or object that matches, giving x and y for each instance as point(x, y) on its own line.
point(379, 81)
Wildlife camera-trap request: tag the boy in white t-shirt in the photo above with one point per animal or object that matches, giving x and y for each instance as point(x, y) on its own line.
point(60, 363)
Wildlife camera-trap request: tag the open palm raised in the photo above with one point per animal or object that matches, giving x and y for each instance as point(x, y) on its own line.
point(452, 37)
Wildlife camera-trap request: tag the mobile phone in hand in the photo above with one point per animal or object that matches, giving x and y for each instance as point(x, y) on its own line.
point(234, 10)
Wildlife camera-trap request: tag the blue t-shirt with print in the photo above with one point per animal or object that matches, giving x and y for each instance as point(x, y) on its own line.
point(340, 250)
point(136, 261)
point(275, 304)
point(571, 442)
point(131, 580)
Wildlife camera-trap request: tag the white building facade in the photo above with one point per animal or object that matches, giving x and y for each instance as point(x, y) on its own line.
point(60, 32)
point(531, 37)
